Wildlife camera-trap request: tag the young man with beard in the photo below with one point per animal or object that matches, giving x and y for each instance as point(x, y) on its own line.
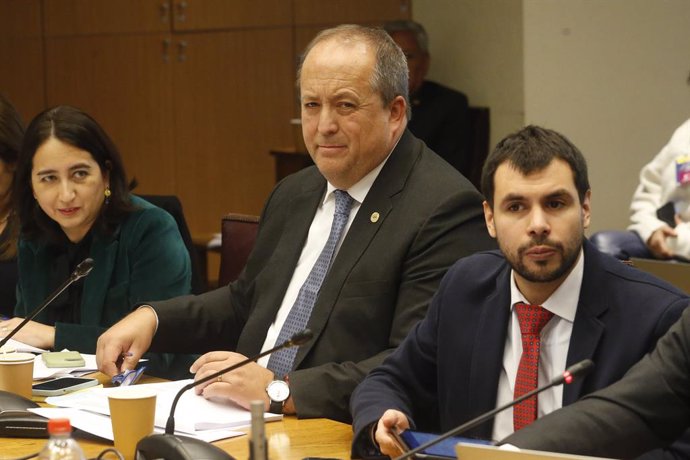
point(470, 354)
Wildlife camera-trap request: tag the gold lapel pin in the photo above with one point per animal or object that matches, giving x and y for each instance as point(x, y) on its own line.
point(374, 217)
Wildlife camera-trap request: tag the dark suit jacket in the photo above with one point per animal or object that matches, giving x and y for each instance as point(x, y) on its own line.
point(144, 259)
point(379, 286)
point(440, 117)
point(446, 371)
point(646, 409)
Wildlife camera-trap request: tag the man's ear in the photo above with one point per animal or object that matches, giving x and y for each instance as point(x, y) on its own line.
point(398, 109)
point(586, 209)
point(489, 219)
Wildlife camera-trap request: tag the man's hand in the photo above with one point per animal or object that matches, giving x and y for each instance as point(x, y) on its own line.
point(120, 347)
point(391, 420)
point(33, 333)
point(657, 242)
point(241, 386)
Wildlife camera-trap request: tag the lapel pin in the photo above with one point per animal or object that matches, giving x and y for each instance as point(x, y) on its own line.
point(374, 217)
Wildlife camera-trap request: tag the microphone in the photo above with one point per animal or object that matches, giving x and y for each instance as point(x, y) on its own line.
point(83, 269)
point(568, 376)
point(158, 445)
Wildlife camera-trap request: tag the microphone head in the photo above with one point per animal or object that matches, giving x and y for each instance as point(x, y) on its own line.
point(301, 337)
point(84, 268)
point(580, 369)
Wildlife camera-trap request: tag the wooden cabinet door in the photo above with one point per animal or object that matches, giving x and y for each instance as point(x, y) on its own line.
point(21, 56)
point(230, 14)
point(330, 12)
point(233, 101)
point(101, 17)
point(125, 82)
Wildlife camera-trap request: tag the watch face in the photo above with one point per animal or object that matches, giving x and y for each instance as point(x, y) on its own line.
point(278, 391)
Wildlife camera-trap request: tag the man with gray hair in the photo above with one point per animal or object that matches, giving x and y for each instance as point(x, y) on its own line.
point(440, 115)
point(352, 248)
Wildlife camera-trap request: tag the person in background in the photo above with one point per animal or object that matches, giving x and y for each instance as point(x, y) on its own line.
point(503, 323)
point(440, 114)
point(73, 202)
point(11, 133)
point(352, 248)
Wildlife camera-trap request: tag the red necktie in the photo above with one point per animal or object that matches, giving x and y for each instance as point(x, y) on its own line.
point(532, 319)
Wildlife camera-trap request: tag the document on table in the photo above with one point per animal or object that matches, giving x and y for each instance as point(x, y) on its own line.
point(194, 413)
point(42, 372)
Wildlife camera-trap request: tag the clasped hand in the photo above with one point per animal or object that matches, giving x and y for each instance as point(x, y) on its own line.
point(241, 386)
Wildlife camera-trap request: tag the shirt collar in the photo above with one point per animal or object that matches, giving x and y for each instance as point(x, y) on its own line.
point(563, 302)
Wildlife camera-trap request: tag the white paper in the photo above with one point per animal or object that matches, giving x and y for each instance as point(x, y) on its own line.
point(194, 413)
point(99, 425)
point(22, 347)
point(42, 372)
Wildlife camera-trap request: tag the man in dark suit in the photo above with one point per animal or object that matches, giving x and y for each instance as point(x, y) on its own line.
point(466, 357)
point(646, 409)
point(440, 115)
point(411, 218)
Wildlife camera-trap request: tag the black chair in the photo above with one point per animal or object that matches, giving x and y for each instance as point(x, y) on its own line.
point(173, 206)
point(480, 122)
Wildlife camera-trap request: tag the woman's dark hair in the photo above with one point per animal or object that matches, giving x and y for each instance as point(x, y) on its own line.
point(76, 128)
point(11, 134)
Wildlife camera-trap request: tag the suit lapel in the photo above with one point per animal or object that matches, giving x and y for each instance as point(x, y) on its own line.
point(587, 327)
point(390, 181)
point(487, 352)
point(300, 214)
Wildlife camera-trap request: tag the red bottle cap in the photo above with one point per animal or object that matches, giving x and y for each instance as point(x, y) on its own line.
point(59, 425)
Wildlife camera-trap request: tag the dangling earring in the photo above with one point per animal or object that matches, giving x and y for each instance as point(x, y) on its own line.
point(107, 194)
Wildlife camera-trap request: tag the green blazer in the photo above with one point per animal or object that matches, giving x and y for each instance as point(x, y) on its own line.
point(144, 260)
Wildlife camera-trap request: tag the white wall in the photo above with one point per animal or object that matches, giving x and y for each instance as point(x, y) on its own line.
point(610, 74)
point(476, 47)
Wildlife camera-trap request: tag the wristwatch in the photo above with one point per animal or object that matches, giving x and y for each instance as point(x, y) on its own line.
point(278, 392)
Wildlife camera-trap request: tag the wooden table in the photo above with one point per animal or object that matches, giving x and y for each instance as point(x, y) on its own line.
point(289, 439)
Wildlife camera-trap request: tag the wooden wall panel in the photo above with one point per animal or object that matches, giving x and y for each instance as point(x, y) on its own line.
point(311, 12)
point(21, 56)
point(230, 14)
point(101, 17)
point(125, 83)
point(233, 101)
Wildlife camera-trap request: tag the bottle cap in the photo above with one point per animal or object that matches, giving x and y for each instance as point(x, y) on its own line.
point(59, 425)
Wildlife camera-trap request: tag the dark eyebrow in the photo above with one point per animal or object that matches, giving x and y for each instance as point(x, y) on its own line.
point(72, 168)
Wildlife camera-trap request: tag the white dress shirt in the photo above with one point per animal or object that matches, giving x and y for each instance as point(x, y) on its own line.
point(316, 240)
point(555, 341)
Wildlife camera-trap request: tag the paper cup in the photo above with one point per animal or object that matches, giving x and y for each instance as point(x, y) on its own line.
point(17, 373)
point(132, 412)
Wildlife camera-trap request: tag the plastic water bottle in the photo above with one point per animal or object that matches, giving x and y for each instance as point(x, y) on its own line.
point(61, 446)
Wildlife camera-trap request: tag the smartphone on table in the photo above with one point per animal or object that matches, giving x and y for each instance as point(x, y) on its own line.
point(409, 439)
point(62, 385)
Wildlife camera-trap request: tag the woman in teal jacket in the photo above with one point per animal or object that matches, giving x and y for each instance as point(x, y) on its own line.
point(73, 202)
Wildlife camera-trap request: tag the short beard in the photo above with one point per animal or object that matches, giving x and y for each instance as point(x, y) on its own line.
point(568, 261)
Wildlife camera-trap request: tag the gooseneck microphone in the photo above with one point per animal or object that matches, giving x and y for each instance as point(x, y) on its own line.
point(165, 445)
point(83, 269)
point(576, 370)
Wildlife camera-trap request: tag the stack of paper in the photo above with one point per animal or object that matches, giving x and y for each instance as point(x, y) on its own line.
point(195, 415)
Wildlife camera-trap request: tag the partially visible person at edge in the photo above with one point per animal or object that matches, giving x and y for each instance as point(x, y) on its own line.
point(440, 115)
point(404, 217)
point(505, 322)
point(73, 202)
point(11, 134)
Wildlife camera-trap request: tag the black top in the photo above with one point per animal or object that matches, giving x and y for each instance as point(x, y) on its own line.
point(8, 281)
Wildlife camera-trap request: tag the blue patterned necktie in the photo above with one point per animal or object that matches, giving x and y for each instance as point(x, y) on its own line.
point(281, 362)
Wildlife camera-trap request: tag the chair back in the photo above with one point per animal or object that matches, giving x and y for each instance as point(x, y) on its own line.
point(238, 234)
point(173, 206)
point(480, 119)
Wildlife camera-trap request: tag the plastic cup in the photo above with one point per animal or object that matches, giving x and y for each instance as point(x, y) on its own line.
point(132, 412)
point(17, 373)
